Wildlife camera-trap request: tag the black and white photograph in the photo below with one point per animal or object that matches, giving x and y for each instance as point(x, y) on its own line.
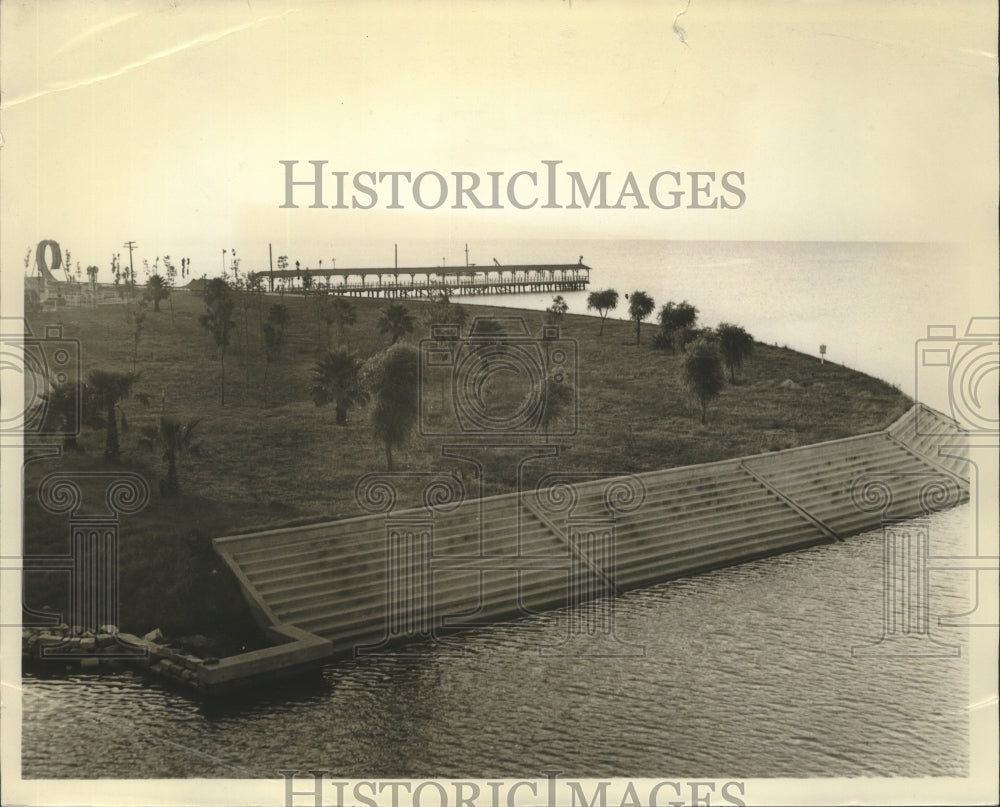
point(567, 403)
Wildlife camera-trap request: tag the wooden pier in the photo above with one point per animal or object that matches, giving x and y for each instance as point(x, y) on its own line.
point(393, 282)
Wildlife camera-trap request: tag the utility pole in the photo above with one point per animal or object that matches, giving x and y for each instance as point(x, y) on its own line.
point(131, 270)
point(466, 254)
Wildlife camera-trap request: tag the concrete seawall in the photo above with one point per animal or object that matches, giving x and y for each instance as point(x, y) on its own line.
point(401, 575)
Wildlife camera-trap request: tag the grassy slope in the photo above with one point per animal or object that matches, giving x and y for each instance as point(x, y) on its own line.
point(266, 466)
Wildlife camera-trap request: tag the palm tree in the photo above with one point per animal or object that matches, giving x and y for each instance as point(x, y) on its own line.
point(677, 322)
point(602, 302)
point(344, 315)
point(393, 381)
point(274, 338)
point(556, 312)
point(736, 345)
point(109, 389)
point(174, 438)
point(444, 312)
point(395, 321)
point(157, 289)
point(92, 274)
point(557, 401)
point(337, 381)
point(63, 409)
point(640, 306)
point(255, 287)
point(216, 320)
point(135, 314)
point(323, 309)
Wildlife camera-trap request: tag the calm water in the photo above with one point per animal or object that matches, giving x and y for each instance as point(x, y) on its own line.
point(867, 302)
point(747, 673)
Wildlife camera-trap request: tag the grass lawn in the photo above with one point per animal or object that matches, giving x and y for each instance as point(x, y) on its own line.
point(261, 466)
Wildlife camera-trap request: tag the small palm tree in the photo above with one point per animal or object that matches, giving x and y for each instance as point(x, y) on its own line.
point(109, 389)
point(602, 302)
point(556, 312)
point(92, 275)
point(393, 379)
point(344, 315)
point(395, 321)
point(702, 373)
point(677, 324)
point(736, 345)
point(557, 399)
point(175, 438)
point(442, 311)
point(323, 309)
point(274, 338)
point(157, 288)
point(640, 306)
point(63, 409)
point(337, 380)
point(216, 320)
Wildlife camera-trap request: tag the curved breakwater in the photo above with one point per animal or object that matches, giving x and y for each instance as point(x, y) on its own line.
point(359, 585)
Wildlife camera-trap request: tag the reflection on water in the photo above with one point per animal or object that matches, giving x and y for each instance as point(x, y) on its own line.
point(747, 673)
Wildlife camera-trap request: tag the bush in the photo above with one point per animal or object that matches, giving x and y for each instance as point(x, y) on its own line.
point(663, 342)
point(736, 345)
point(702, 373)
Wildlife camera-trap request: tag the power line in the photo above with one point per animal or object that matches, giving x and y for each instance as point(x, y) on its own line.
point(130, 245)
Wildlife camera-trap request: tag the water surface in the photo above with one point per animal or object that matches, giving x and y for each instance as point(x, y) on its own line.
point(747, 672)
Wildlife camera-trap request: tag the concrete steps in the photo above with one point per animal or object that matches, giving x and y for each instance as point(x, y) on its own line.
point(695, 518)
point(933, 436)
point(332, 580)
point(821, 479)
point(505, 556)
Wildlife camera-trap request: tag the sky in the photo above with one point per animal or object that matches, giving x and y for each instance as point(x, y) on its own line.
point(164, 123)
